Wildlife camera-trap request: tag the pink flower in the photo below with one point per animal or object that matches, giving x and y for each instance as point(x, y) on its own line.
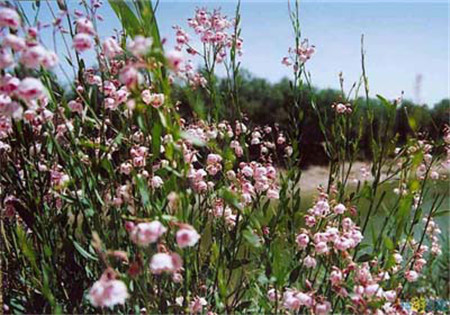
point(125, 168)
point(321, 248)
point(321, 208)
point(285, 61)
point(213, 164)
point(305, 299)
point(140, 46)
point(411, 276)
point(6, 59)
point(129, 226)
point(310, 262)
point(9, 18)
point(371, 289)
point(398, 258)
point(347, 223)
point(341, 108)
point(162, 262)
point(390, 295)
point(15, 42)
point(76, 107)
point(310, 220)
point(50, 60)
point(273, 194)
point(111, 48)
point(339, 209)
point(434, 175)
point(418, 264)
point(323, 308)
point(187, 236)
point(174, 59)
point(272, 295)
point(293, 299)
point(177, 277)
point(33, 57)
point(156, 182)
point(147, 233)
point(146, 96)
point(335, 276)
point(9, 84)
point(247, 171)
point(85, 26)
point(156, 99)
point(108, 292)
point(302, 240)
point(30, 89)
point(130, 76)
point(82, 42)
point(197, 304)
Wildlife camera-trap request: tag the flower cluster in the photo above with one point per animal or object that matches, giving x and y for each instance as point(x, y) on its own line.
point(299, 56)
point(214, 32)
point(149, 209)
point(329, 238)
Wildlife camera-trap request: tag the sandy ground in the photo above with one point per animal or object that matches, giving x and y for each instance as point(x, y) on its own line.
point(317, 175)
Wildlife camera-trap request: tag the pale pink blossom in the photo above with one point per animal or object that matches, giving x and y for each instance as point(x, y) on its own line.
point(9, 84)
point(339, 209)
point(75, 107)
point(322, 308)
point(273, 194)
point(390, 295)
point(111, 48)
point(372, 289)
point(156, 99)
point(50, 60)
point(187, 236)
point(130, 76)
point(84, 25)
point(197, 304)
point(140, 45)
point(6, 59)
point(147, 233)
point(310, 262)
point(321, 248)
point(82, 42)
point(146, 96)
point(302, 240)
point(156, 182)
point(30, 89)
point(411, 276)
point(15, 42)
point(174, 59)
point(108, 292)
point(335, 276)
point(9, 18)
point(162, 262)
point(125, 168)
point(272, 295)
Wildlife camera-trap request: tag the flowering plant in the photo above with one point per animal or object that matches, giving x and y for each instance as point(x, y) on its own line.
point(112, 198)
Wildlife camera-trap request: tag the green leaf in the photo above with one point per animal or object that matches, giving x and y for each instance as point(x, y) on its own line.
point(129, 20)
point(230, 198)
point(252, 238)
point(441, 213)
point(388, 243)
point(294, 274)
point(238, 263)
point(364, 258)
point(83, 252)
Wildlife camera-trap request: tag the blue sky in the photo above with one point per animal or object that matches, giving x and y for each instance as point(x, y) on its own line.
point(403, 39)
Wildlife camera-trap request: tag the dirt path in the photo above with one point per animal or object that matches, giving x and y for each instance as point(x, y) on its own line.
point(316, 175)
